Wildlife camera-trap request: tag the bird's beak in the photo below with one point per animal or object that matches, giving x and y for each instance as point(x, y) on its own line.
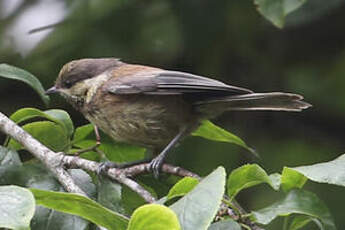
point(52, 90)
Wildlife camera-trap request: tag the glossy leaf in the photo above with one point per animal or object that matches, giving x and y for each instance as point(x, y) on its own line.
point(296, 202)
point(292, 179)
point(212, 132)
point(109, 194)
point(300, 221)
point(17, 207)
point(63, 117)
point(15, 73)
point(276, 10)
point(153, 217)
point(182, 187)
point(84, 137)
point(225, 225)
point(48, 133)
point(58, 116)
point(247, 176)
point(82, 206)
point(9, 159)
point(197, 209)
point(49, 219)
point(331, 172)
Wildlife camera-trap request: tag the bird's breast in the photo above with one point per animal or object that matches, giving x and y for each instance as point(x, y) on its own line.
point(144, 120)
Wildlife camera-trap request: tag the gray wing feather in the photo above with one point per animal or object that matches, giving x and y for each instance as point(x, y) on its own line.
point(171, 83)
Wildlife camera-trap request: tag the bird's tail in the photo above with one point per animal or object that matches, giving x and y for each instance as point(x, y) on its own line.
point(275, 101)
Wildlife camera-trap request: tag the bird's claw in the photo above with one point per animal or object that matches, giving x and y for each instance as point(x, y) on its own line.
point(155, 166)
point(105, 166)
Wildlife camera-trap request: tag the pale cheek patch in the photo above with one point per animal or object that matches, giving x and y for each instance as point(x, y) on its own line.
point(93, 84)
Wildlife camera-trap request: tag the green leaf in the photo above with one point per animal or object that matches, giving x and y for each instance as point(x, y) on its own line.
point(82, 206)
point(182, 187)
point(63, 117)
point(276, 10)
point(296, 202)
point(331, 172)
point(247, 176)
point(58, 116)
point(11, 72)
point(83, 132)
point(48, 219)
point(84, 137)
point(17, 207)
point(9, 159)
point(292, 179)
point(153, 217)
point(132, 200)
point(109, 194)
point(300, 221)
point(275, 179)
point(48, 133)
point(197, 209)
point(210, 131)
point(225, 225)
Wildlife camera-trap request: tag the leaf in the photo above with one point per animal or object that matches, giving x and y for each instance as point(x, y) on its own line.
point(225, 225)
point(118, 152)
point(63, 117)
point(109, 194)
point(212, 132)
point(153, 217)
point(296, 202)
point(275, 179)
point(17, 207)
point(48, 219)
point(247, 176)
point(197, 209)
point(9, 159)
point(276, 10)
point(11, 72)
point(292, 179)
point(132, 200)
point(182, 187)
point(83, 132)
point(82, 206)
point(48, 133)
point(300, 221)
point(331, 172)
point(58, 116)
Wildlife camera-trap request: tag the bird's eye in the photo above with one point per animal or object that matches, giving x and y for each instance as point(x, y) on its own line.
point(68, 84)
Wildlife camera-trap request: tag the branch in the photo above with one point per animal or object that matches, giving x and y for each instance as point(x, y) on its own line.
point(49, 158)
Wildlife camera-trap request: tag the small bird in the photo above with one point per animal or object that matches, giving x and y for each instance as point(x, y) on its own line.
point(152, 107)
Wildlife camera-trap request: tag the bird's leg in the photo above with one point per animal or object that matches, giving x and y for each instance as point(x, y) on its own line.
point(94, 147)
point(157, 162)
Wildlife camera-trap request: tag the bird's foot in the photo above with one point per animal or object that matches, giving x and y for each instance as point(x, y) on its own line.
point(156, 165)
point(105, 166)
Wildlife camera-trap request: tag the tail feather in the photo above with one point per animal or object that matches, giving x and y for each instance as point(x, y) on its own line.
point(275, 101)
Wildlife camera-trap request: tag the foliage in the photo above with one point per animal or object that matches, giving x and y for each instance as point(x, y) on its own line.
point(188, 204)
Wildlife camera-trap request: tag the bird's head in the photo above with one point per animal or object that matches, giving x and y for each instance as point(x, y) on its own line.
point(76, 77)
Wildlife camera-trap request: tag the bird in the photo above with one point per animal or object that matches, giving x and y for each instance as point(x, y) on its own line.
point(152, 107)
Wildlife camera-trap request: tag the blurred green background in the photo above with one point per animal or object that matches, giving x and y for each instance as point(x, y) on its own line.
point(223, 39)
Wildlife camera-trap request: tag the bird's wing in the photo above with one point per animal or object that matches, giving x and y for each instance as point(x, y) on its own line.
point(161, 82)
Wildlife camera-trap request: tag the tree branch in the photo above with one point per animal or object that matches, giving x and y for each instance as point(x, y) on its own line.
point(49, 158)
